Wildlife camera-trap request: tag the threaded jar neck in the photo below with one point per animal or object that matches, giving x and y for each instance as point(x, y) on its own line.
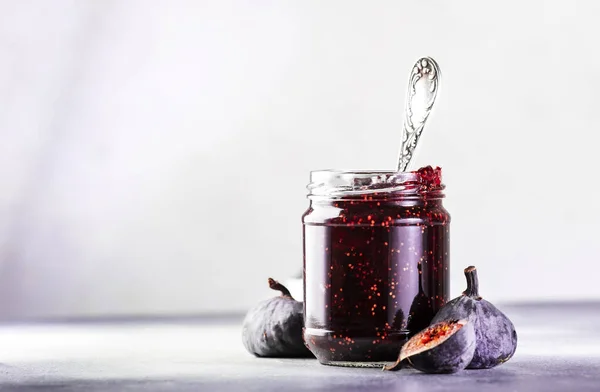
point(425, 183)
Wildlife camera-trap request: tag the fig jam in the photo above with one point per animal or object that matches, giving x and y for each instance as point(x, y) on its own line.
point(376, 262)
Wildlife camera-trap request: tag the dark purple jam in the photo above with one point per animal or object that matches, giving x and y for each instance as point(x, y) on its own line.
point(376, 264)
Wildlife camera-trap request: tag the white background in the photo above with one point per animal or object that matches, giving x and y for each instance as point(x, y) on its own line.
point(154, 154)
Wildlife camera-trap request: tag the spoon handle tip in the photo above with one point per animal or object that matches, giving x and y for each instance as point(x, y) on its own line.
point(423, 85)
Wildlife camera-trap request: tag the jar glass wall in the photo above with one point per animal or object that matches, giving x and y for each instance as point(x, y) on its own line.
point(376, 262)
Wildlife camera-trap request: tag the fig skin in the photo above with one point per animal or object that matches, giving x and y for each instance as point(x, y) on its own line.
point(273, 328)
point(448, 355)
point(496, 337)
point(421, 310)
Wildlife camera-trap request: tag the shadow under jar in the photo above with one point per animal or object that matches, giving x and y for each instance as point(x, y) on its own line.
point(376, 262)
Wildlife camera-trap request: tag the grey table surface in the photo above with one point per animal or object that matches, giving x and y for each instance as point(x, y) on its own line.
point(559, 350)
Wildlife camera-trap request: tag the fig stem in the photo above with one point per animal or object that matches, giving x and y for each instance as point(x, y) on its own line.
point(472, 283)
point(420, 268)
point(275, 285)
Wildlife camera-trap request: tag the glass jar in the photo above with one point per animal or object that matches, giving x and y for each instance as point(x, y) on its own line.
point(376, 262)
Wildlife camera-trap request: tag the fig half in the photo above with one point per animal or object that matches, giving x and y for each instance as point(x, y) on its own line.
point(495, 333)
point(445, 347)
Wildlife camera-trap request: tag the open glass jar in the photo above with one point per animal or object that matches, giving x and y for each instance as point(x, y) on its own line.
point(376, 262)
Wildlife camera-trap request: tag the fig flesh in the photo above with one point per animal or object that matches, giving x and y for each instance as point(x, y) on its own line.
point(273, 328)
point(445, 347)
point(496, 338)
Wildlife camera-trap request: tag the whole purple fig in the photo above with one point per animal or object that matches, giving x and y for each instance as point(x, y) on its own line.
point(496, 338)
point(445, 347)
point(273, 328)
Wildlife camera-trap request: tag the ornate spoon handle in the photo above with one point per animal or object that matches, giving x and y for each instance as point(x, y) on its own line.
point(423, 86)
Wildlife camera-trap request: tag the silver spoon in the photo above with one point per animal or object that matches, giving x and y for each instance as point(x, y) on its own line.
point(423, 85)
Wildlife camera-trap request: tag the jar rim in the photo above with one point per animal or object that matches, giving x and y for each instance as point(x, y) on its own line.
point(332, 183)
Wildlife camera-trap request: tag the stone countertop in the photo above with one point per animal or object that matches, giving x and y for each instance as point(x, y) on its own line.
point(559, 350)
